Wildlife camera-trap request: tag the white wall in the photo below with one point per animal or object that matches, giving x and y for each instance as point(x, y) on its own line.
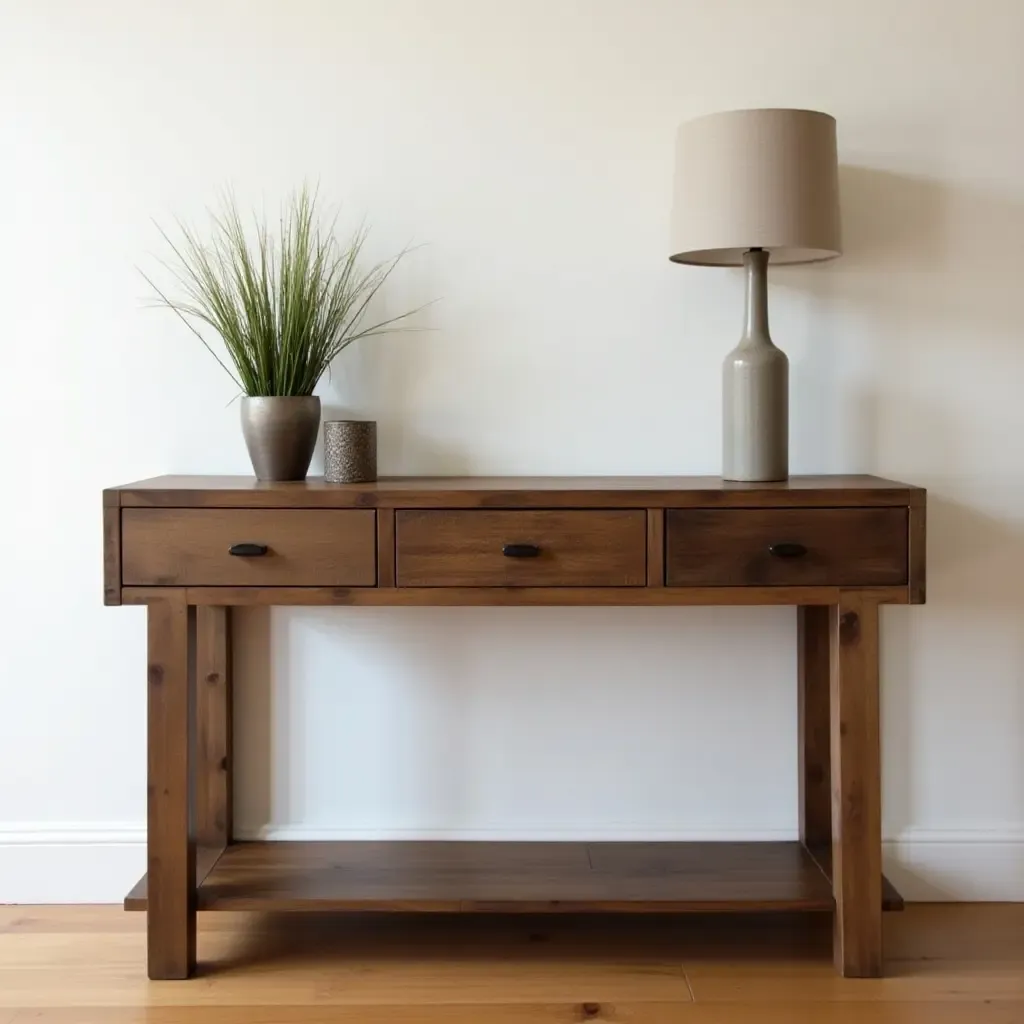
point(530, 145)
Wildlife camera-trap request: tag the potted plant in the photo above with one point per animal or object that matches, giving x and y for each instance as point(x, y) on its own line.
point(284, 308)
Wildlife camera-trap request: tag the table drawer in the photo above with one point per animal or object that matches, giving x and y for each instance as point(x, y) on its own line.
point(536, 548)
point(848, 547)
point(303, 547)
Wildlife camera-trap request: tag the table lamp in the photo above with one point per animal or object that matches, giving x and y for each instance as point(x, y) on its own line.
point(753, 186)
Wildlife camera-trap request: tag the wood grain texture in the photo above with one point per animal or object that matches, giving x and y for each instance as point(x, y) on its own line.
point(972, 1009)
point(814, 753)
point(655, 547)
point(170, 848)
point(190, 547)
point(917, 554)
point(512, 596)
point(892, 900)
point(948, 964)
point(517, 492)
point(602, 542)
point(463, 548)
point(386, 547)
point(856, 787)
point(206, 857)
point(213, 767)
point(450, 877)
point(844, 547)
point(111, 552)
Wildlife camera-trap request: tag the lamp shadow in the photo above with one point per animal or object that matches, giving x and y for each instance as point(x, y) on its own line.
point(923, 268)
point(902, 235)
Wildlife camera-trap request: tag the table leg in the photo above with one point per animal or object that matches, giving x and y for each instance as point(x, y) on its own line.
point(213, 727)
point(171, 915)
point(856, 788)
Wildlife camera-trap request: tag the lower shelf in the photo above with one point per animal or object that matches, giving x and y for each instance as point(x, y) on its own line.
point(513, 877)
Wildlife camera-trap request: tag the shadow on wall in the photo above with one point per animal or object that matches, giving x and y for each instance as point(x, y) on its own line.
point(256, 754)
point(903, 234)
point(382, 378)
point(975, 587)
point(912, 349)
point(901, 333)
point(279, 719)
point(925, 272)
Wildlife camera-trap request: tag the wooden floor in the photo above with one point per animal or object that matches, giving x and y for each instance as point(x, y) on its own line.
point(947, 964)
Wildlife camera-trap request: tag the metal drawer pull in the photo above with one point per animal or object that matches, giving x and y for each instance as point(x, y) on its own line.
point(787, 550)
point(520, 551)
point(247, 550)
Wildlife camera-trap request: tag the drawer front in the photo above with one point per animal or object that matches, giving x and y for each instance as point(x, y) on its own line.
point(303, 547)
point(543, 548)
point(860, 547)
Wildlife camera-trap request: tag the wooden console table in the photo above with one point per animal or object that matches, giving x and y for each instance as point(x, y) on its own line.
point(191, 548)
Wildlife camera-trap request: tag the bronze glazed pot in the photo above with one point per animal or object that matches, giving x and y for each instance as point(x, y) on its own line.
point(280, 434)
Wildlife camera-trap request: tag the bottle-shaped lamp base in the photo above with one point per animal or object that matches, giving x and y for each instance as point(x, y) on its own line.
point(755, 391)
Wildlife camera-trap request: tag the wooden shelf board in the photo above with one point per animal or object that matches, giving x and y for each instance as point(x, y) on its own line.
point(206, 858)
point(511, 877)
point(822, 856)
point(514, 492)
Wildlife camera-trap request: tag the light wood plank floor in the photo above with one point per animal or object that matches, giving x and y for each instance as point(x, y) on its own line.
point(946, 964)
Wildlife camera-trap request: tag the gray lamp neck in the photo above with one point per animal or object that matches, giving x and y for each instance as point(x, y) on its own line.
point(755, 327)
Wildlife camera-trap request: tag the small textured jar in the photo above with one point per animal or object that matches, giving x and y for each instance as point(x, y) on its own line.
point(350, 451)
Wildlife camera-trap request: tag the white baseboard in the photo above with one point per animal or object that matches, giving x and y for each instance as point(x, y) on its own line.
point(98, 863)
point(962, 865)
point(70, 862)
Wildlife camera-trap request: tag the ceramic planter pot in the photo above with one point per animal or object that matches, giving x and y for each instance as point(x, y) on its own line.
point(280, 434)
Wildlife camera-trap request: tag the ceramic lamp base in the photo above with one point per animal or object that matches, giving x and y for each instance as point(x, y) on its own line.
point(755, 392)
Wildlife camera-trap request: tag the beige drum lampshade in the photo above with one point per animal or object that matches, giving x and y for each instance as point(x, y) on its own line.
point(748, 179)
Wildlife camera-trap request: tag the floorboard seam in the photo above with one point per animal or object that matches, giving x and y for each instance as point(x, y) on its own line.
point(689, 987)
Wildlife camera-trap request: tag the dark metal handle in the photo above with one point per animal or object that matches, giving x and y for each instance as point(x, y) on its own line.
point(520, 551)
point(247, 550)
point(787, 550)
